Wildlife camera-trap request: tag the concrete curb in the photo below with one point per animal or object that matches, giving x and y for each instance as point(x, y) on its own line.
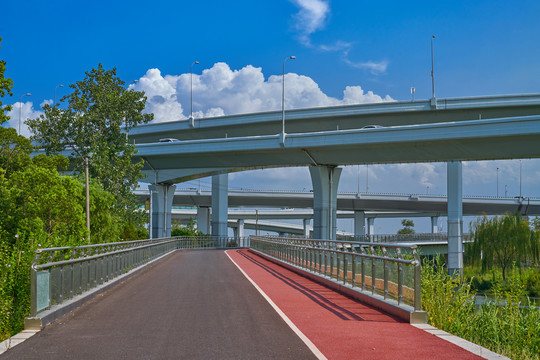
point(462, 343)
point(16, 340)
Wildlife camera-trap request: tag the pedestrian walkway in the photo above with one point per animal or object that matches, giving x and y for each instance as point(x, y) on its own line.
point(199, 305)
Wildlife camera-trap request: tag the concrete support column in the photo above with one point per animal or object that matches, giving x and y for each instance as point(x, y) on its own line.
point(325, 180)
point(240, 229)
point(203, 219)
point(371, 226)
point(220, 204)
point(455, 217)
point(162, 199)
point(306, 228)
point(359, 223)
point(434, 224)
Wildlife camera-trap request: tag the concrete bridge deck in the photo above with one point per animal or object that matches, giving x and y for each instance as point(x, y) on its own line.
point(200, 305)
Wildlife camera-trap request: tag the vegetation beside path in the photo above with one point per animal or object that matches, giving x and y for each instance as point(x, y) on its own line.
point(508, 323)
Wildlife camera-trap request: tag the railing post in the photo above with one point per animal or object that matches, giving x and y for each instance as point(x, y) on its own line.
point(33, 288)
point(353, 258)
point(385, 263)
point(417, 282)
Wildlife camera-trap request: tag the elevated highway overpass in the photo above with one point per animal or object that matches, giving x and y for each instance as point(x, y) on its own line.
point(449, 130)
point(364, 208)
point(423, 203)
point(340, 118)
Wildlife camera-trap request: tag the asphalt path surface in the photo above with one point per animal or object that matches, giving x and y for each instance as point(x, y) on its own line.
point(190, 305)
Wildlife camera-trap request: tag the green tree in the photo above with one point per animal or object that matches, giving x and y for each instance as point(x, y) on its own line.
point(6, 85)
point(500, 241)
point(407, 227)
point(190, 229)
point(100, 111)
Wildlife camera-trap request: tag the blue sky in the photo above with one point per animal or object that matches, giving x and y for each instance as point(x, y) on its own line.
point(347, 51)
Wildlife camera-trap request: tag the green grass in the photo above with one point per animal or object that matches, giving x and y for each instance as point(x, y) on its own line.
point(502, 325)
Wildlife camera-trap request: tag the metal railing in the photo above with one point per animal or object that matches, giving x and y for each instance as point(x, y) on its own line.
point(61, 273)
point(390, 270)
point(399, 238)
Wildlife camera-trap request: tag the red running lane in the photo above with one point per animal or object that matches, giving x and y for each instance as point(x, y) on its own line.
point(340, 327)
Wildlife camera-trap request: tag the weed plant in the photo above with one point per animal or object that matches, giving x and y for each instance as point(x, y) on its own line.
point(505, 324)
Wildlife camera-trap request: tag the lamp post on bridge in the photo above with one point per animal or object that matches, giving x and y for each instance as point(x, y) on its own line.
point(191, 92)
point(497, 182)
point(57, 86)
point(283, 100)
point(432, 70)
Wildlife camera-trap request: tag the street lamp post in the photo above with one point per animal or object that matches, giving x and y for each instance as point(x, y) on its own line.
point(57, 86)
point(283, 101)
point(432, 70)
point(20, 110)
point(520, 174)
point(191, 92)
point(497, 182)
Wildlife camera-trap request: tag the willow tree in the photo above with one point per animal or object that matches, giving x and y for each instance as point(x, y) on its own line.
point(100, 111)
point(500, 241)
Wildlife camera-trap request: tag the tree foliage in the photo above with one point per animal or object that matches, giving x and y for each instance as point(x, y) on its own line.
point(99, 112)
point(408, 226)
point(500, 241)
point(41, 208)
point(190, 229)
point(6, 85)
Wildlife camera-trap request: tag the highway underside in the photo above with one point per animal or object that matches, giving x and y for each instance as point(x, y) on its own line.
point(199, 305)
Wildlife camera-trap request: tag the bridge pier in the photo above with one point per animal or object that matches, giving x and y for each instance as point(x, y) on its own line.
point(434, 224)
point(325, 180)
point(371, 226)
point(220, 204)
point(455, 217)
point(239, 229)
point(359, 223)
point(203, 219)
point(306, 228)
point(162, 199)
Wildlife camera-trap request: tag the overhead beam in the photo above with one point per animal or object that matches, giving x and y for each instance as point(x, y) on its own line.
point(491, 139)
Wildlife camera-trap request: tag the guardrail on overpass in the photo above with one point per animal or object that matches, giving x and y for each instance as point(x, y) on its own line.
point(356, 268)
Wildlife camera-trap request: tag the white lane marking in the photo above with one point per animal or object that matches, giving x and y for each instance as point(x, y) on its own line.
point(285, 318)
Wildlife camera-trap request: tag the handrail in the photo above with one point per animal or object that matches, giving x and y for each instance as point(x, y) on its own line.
point(346, 261)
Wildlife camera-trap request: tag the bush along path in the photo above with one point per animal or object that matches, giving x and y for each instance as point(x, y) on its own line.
point(505, 324)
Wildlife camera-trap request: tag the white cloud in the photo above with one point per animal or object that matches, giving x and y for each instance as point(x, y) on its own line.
point(161, 96)
point(23, 111)
point(220, 90)
point(374, 67)
point(310, 18)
